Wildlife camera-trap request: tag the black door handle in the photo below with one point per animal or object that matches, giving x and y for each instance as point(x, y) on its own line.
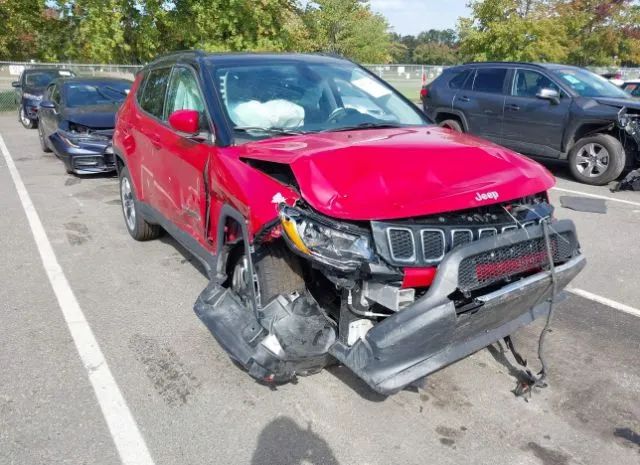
point(464, 99)
point(513, 107)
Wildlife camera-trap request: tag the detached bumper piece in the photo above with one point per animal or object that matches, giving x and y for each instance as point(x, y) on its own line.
point(469, 306)
point(290, 336)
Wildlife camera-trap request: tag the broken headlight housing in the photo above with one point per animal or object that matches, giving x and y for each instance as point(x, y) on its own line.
point(78, 134)
point(325, 241)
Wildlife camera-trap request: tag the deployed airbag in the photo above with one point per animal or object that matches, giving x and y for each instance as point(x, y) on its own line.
point(272, 114)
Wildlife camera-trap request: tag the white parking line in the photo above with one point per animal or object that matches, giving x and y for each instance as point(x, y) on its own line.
point(605, 301)
point(124, 430)
point(596, 196)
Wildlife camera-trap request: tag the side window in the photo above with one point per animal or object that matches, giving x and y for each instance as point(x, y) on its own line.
point(490, 80)
point(155, 87)
point(458, 81)
point(184, 93)
point(529, 83)
point(55, 94)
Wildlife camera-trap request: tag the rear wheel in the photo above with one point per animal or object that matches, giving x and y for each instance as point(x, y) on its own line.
point(27, 122)
point(597, 159)
point(452, 124)
point(139, 229)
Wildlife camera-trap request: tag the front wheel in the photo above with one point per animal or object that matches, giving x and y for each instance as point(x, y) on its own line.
point(597, 159)
point(27, 122)
point(43, 142)
point(139, 229)
point(277, 271)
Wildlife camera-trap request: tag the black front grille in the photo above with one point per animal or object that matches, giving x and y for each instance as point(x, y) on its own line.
point(496, 265)
point(433, 244)
point(460, 237)
point(424, 241)
point(401, 244)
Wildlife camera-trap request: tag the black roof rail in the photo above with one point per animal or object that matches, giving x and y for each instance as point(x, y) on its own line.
point(197, 52)
point(503, 63)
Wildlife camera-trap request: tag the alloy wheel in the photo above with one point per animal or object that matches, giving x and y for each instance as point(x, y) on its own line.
point(128, 205)
point(23, 117)
point(592, 160)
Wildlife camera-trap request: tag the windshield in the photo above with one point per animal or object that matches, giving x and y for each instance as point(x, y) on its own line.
point(95, 93)
point(587, 84)
point(263, 100)
point(43, 78)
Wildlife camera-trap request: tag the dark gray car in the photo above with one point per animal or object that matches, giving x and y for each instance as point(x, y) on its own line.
point(553, 111)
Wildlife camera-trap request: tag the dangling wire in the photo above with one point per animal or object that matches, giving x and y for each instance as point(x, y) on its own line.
point(525, 388)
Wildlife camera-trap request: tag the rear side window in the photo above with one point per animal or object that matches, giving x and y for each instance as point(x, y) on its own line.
point(155, 87)
point(458, 80)
point(490, 80)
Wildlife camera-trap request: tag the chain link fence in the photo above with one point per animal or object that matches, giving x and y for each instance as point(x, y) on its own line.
point(10, 72)
point(406, 78)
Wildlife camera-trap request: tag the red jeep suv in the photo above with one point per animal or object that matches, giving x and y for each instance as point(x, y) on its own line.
point(336, 222)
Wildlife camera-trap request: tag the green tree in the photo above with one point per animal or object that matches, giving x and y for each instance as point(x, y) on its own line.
point(601, 32)
point(21, 28)
point(514, 30)
point(433, 53)
point(96, 33)
point(348, 28)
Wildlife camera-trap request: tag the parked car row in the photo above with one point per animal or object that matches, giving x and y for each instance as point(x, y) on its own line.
point(75, 116)
point(335, 221)
point(542, 110)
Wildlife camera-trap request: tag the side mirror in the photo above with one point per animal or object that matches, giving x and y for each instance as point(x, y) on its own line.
point(186, 121)
point(48, 104)
point(549, 94)
point(16, 84)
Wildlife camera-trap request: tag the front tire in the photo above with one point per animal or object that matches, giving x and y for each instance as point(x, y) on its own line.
point(597, 159)
point(27, 122)
point(278, 272)
point(43, 142)
point(137, 226)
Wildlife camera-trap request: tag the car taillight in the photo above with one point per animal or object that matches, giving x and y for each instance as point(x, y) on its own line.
point(424, 92)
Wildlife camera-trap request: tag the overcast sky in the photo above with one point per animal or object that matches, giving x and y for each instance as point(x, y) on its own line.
point(415, 16)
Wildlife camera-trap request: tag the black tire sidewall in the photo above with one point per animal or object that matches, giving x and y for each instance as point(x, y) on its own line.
point(617, 159)
point(43, 143)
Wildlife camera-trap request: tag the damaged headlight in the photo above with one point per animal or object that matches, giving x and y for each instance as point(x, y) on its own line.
point(329, 245)
point(78, 134)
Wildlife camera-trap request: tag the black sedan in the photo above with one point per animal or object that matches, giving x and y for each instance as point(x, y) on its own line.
point(76, 121)
point(30, 87)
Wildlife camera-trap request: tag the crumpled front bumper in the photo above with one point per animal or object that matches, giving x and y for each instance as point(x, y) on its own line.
point(86, 158)
point(432, 333)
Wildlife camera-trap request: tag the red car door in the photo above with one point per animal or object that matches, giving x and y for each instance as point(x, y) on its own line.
point(144, 131)
point(181, 159)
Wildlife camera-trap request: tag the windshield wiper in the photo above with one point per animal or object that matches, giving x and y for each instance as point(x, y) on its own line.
point(364, 126)
point(277, 131)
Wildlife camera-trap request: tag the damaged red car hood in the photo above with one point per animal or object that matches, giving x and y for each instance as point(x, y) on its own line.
point(401, 172)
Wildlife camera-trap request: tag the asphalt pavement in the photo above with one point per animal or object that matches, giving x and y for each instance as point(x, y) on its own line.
point(191, 405)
